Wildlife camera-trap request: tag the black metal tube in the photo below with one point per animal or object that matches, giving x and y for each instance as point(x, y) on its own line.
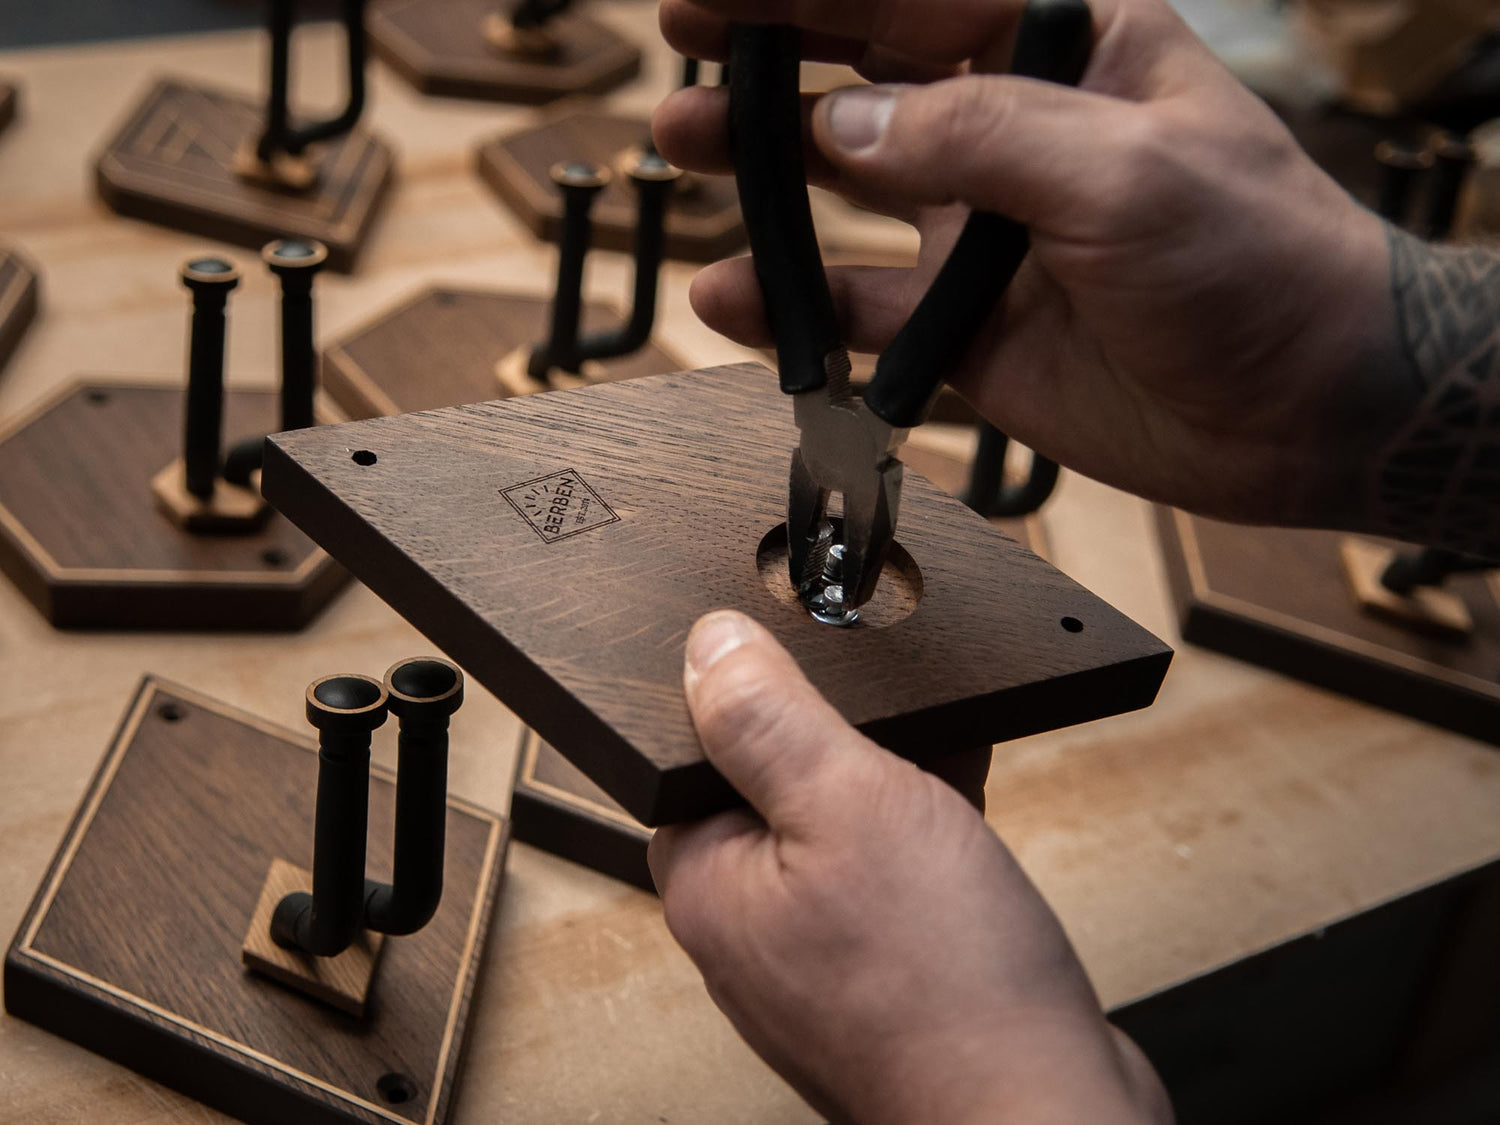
point(580, 184)
point(296, 262)
point(654, 180)
point(346, 710)
point(279, 135)
point(210, 280)
point(1452, 160)
point(537, 13)
point(987, 492)
point(423, 695)
point(1431, 566)
point(1401, 168)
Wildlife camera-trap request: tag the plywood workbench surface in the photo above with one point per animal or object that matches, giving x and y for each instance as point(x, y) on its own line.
point(1240, 810)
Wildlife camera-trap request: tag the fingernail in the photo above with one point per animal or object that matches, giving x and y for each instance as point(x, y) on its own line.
point(714, 637)
point(858, 117)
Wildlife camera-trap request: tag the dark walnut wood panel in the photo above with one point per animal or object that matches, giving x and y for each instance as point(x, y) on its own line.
point(436, 45)
point(440, 347)
point(672, 486)
point(703, 221)
point(132, 945)
point(81, 536)
point(1281, 598)
point(18, 300)
point(555, 807)
point(173, 163)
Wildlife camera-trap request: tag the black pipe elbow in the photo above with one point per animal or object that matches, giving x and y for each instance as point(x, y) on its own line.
point(423, 694)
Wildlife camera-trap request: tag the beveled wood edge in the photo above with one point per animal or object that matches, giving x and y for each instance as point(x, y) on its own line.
point(530, 749)
point(150, 686)
point(377, 402)
point(26, 543)
point(24, 286)
point(1198, 591)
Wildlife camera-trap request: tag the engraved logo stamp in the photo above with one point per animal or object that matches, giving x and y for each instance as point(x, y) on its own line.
point(559, 505)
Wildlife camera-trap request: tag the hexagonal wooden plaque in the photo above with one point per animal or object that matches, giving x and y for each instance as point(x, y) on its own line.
point(81, 536)
point(172, 163)
point(440, 346)
point(560, 546)
point(436, 45)
point(18, 300)
point(703, 222)
point(1281, 598)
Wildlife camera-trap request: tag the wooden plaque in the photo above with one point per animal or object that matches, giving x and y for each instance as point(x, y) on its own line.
point(559, 546)
point(81, 535)
point(18, 300)
point(703, 221)
point(173, 163)
point(131, 947)
point(437, 46)
point(440, 347)
point(1281, 598)
point(555, 807)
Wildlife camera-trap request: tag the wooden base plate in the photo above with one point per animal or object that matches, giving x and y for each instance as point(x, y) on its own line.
point(703, 223)
point(560, 546)
point(436, 45)
point(440, 347)
point(132, 945)
point(81, 535)
point(173, 163)
point(18, 300)
point(1281, 598)
point(555, 807)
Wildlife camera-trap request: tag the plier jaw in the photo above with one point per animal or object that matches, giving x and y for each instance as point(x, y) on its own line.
point(843, 449)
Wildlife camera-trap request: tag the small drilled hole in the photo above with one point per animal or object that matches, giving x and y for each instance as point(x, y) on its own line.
point(169, 713)
point(443, 297)
point(274, 556)
point(98, 398)
point(395, 1088)
point(1071, 624)
point(363, 457)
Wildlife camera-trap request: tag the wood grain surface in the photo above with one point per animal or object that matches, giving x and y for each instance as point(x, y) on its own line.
point(81, 535)
point(1281, 598)
point(703, 222)
point(440, 346)
point(571, 600)
point(1244, 808)
point(436, 45)
point(172, 162)
point(132, 944)
point(18, 300)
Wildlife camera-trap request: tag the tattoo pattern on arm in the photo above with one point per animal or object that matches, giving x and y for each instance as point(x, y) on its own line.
point(1437, 481)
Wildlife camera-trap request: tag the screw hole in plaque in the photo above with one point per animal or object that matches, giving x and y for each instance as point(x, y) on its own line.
point(170, 713)
point(395, 1088)
point(274, 556)
point(97, 397)
point(896, 596)
point(363, 457)
point(1071, 624)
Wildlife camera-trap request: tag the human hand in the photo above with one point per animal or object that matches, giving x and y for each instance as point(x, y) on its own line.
point(1205, 318)
point(864, 929)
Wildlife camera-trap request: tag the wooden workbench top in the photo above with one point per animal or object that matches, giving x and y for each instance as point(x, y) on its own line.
point(1242, 809)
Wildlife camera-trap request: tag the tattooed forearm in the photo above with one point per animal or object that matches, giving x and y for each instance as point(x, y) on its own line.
point(1438, 479)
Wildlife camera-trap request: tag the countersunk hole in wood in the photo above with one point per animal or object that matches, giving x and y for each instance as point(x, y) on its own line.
point(395, 1088)
point(444, 297)
point(363, 457)
point(898, 593)
point(170, 713)
point(274, 556)
point(97, 397)
point(1071, 624)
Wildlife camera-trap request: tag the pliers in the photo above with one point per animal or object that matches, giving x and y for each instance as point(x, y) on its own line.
point(849, 445)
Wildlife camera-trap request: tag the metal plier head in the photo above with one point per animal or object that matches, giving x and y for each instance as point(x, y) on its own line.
point(849, 445)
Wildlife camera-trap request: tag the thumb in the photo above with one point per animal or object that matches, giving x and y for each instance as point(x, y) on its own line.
point(1033, 151)
point(767, 730)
